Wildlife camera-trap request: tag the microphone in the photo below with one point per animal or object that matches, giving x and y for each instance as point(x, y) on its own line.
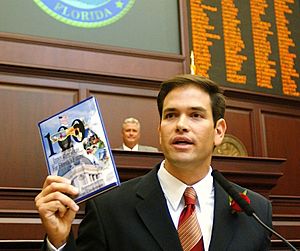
point(234, 194)
point(224, 183)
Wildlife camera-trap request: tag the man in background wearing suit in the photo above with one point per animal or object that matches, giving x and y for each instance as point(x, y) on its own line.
point(145, 213)
point(131, 134)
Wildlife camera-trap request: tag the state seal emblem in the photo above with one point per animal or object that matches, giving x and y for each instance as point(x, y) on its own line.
point(86, 13)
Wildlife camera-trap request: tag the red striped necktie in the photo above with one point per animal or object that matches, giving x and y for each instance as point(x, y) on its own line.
point(189, 231)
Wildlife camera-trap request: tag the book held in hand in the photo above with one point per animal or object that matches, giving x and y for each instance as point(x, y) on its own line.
point(76, 147)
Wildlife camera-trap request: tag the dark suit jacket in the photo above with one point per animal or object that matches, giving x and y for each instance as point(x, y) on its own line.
point(135, 217)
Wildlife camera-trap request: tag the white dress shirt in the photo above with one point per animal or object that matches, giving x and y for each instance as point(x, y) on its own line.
point(173, 190)
point(52, 248)
point(135, 148)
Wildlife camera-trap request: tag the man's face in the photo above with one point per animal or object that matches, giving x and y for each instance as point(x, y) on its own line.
point(131, 134)
point(187, 133)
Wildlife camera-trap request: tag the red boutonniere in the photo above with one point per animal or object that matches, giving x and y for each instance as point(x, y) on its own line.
point(235, 208)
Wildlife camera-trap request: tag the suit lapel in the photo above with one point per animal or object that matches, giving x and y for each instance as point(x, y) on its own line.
point(154, 212)
point(224, 221)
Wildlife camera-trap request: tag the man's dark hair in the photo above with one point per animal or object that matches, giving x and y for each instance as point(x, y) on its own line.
point(217, 99)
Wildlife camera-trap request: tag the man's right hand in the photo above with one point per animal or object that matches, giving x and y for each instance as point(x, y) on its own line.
point(56, 208)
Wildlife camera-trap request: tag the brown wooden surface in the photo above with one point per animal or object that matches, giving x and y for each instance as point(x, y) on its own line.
point(39, 77)
point(272, 129)
point(22, 50)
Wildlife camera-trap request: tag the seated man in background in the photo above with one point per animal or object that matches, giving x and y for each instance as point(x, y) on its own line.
point(131, 133)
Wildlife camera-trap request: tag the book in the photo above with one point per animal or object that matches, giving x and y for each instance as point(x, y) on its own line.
point(76, 147)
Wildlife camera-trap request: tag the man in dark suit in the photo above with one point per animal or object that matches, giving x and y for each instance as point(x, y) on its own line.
point(131, 134)
point(144, 213)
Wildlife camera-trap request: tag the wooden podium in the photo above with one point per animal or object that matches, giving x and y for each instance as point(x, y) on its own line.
point(258, 174)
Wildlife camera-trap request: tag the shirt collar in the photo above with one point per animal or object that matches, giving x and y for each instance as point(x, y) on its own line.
point(173, 188)
point(135, 148)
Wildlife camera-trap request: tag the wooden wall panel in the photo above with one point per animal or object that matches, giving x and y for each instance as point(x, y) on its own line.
point(282, 137)
point(117, 107)
point(22, 107)
point(239, 125)
point(21, 50)
point(284, 205)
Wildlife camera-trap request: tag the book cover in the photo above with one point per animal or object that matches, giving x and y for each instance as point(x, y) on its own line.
point(76, 147)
